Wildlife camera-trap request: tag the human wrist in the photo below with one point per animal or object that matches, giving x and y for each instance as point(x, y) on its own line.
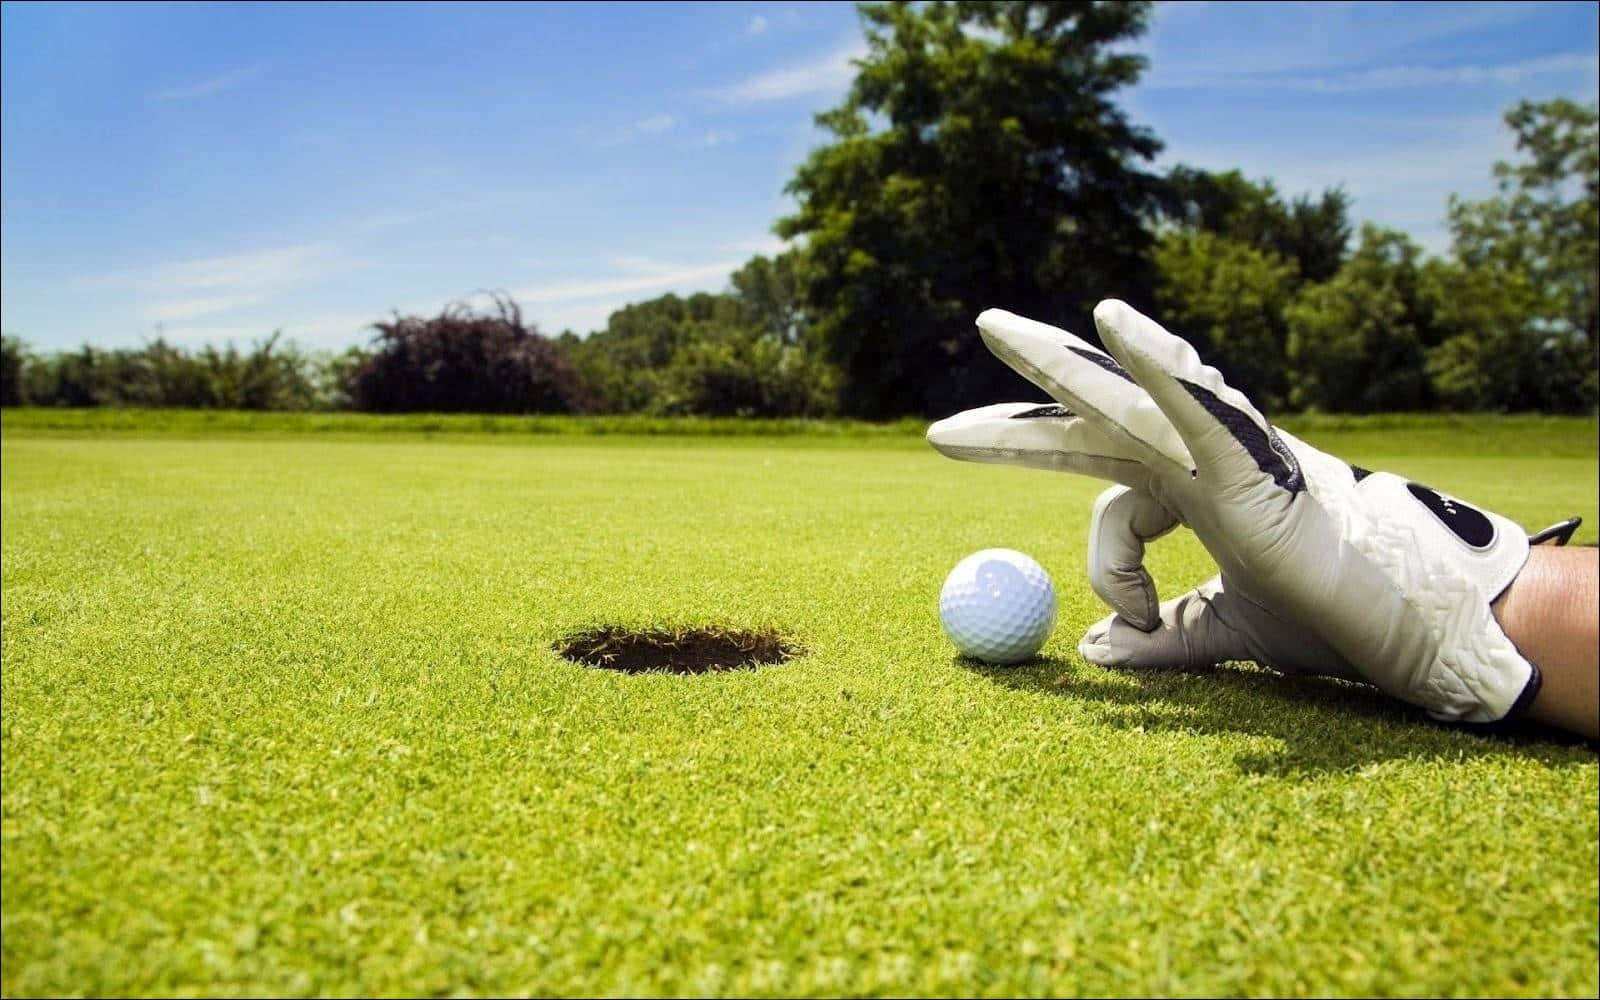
point(1550, 613)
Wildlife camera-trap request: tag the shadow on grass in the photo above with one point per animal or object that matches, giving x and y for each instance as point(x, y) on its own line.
point(1325, 725)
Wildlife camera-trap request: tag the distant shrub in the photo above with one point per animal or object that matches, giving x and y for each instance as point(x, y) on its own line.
point(266, 377)
point(462, 361)
point(728, 354)
point(744, 374)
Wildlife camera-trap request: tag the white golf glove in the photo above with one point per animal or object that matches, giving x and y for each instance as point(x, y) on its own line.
point(1326, 568)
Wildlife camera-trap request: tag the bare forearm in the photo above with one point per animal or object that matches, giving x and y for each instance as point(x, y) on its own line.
point(1552, 613)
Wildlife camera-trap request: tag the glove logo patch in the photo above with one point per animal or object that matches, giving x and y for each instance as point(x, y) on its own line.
point(1465, 521)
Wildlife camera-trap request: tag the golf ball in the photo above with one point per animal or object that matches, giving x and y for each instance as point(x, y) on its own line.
point(998, 606)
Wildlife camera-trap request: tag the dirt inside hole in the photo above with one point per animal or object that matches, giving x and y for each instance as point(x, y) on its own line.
point(676, 650)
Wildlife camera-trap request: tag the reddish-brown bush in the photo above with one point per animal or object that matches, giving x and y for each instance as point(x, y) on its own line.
point(465, 361)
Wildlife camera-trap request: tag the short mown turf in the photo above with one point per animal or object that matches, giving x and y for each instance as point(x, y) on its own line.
point(281, 715)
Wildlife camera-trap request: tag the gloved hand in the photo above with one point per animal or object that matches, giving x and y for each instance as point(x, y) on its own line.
point(1325, 568)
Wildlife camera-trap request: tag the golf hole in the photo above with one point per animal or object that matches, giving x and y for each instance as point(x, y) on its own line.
point(676, 650)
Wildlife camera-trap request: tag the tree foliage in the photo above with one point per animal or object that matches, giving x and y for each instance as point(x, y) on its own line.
point(1313, 234)
point(1228, 298)
point(978, 160)
point(739, 353)
point(1518, 299)
point(744, 373)
point(768, 291)
point(1356, 342)
point(624, 364)
point(13, 361)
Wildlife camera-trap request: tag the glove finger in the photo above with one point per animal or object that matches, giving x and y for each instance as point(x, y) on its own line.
point(1211, 625)
point(1036, 436)
point(1231, 442)
point(1123, 520)
point(1089, 383)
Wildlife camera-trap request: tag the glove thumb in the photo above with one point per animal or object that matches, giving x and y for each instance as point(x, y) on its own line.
point(1124, 519)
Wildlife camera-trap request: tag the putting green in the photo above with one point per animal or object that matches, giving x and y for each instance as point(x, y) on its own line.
point(281, 715)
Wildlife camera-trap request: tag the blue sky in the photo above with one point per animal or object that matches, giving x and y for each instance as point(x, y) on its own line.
point(213, 173)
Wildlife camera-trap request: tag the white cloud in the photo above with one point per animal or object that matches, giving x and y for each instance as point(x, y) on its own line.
point(651, 276)
point(828, 73)
point(711, 140)
point(642, 265)
point(181, 309)
point(1404, 77)
point(768, 245)
point(205, 88)
point(757, 26)
point(263, 268)
point(177, 291)
point(654, 125)
point(1378, 78)
point(256, 269)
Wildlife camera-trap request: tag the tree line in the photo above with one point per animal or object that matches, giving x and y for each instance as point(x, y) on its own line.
point(979, 159)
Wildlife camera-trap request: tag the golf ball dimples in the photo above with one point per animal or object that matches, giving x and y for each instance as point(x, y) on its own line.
point(998, 606)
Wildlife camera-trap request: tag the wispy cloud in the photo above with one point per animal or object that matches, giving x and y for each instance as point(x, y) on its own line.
point(258, 268)
point(654, 125)
point(758, 26)
point(1378, 78)
point(205, 88)
point(182, 309)
point(768, 245)
point(827, 73)
point(646, 276)
point(399, 217)
point(188, 289)
point(711, 140)
point(1187, 45)
point(1406, 77)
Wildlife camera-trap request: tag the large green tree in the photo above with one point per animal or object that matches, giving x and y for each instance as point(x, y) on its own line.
point(1519, 296)
point(1312, 233)
point(1356, 342)
point(978, 160)
point(1228, 299)
point(768, 291)
point(1230, 255)
point(623, 364)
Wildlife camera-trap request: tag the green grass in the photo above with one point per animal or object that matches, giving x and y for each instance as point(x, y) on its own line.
point(281, 715)
point(211, 423)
